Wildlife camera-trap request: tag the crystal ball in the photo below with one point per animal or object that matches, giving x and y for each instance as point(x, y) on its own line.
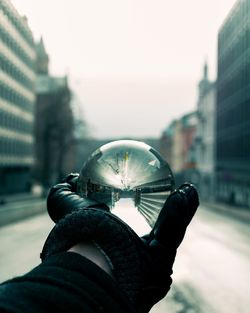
point(127, 169)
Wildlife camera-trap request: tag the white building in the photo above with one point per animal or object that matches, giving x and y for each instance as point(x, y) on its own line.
point(17, 99)
point(205, 138)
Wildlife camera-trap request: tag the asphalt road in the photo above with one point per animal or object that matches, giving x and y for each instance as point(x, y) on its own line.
point(211, 272)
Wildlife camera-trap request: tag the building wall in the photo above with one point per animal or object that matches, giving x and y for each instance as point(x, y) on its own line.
point(17, 98)
point(206, 161)
point(176, 146)
point(166, 147)
point(166, 143)
point(205, 137)
point(55, 146)
point(233, 107)
point(206, 144)
point(189, 128)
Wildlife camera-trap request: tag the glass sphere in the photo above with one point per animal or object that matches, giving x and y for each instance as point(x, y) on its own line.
point(127, 169)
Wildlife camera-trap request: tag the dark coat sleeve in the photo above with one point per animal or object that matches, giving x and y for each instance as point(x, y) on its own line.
point(66, 282)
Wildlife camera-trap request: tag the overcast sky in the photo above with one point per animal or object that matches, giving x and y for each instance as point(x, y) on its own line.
point(135, 64)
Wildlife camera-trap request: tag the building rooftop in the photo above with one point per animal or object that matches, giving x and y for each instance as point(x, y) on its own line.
point(47, 84)
point(189, 120)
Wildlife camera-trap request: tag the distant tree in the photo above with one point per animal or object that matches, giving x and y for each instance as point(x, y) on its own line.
point(81, 128)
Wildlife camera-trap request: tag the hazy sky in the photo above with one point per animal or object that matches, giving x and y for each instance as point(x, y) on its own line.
point(135, 64)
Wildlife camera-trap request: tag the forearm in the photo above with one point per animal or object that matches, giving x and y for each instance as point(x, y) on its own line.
point(65, 282)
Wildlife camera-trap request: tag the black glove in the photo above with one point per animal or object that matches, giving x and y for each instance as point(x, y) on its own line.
point(62, 199)
point(142, 266)
point(163, 241)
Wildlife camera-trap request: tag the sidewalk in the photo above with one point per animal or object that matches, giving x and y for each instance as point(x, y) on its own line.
point(20, 206)
point(10, 198)
point(242, 214)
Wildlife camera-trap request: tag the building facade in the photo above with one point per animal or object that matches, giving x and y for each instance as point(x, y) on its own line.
point(233, 107)
point(177, 147)
point(166, 143)
point(17, 100)
point(205, 136)
point(54, 126)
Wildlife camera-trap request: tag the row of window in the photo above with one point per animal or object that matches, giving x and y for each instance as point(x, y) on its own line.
point(237, 54)
point(235, 89)
point(240, 12)
point(234, 123)
point(236, 119)
point(13, 45)
point(15, 147)
point(233, 142)
point(13, 122)
point(233, 110)
point(14, 97)
point(237, 147)
point(230, 85)
point(237, 34)
point(15, 72)
point(17, 23)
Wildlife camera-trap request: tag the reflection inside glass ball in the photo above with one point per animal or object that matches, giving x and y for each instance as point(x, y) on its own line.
point(131, 170)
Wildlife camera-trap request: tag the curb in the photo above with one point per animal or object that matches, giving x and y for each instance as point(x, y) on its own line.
point(13, 212)
point(6, 199)
point(242, 214)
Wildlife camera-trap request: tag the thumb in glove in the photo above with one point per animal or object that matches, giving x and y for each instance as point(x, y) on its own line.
point(63, 199)
point(163, 241)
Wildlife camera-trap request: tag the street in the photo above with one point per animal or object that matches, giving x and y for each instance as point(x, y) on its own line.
point(211, 272)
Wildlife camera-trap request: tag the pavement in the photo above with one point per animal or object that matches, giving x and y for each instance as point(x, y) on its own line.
point(11, 198)
point(212, 268)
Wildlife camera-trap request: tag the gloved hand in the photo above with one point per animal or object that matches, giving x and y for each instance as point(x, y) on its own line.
point(142, 266)
point(62, 199)
point(163, 241)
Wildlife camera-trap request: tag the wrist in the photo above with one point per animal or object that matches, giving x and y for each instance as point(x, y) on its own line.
point(94, 253)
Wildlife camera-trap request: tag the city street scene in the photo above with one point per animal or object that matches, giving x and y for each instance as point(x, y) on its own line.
point(139, 98)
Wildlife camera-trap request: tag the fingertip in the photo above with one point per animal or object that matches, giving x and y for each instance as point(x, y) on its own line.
point(190, 193)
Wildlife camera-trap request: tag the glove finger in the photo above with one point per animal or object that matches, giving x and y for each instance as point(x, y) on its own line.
point(62, 201)
point(72, 179)
point(176, 215)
